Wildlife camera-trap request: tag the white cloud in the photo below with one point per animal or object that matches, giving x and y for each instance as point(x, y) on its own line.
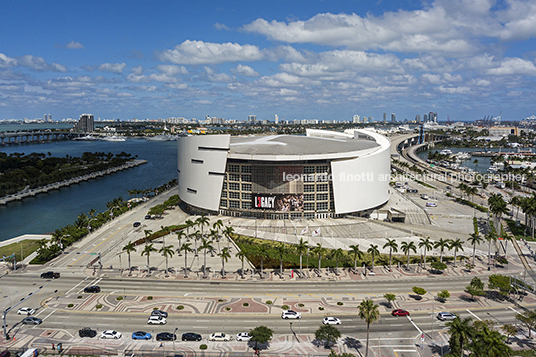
point(199, 52)
point(219, 26)
point(171, 70)
point(137, 70)
point(7, 62)
point(74, 45)
point(113, 67)
point(514, 66)
point(245, 71)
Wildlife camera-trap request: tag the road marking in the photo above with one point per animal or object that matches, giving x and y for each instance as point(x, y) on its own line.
point(479, 319)
point(104, 240)
point(74, 287)
point(396, 325)
point(404, 351)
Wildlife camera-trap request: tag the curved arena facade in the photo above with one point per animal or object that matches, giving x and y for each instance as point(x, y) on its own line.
point(320, 175)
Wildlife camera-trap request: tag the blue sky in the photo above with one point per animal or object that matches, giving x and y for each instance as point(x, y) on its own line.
point(299, 59)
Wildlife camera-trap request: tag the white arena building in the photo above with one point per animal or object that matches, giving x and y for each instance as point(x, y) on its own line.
point(320, 175)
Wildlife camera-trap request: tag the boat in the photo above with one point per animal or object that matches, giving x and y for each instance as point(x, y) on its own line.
point(463, 156)
point(86, 138)
point(113, 138)
point(163, 137)
point(446, 152)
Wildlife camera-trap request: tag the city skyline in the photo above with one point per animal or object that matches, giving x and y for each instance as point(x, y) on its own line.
point(299, 60)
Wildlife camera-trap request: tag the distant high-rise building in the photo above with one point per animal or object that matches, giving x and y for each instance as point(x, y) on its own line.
point(393, 118)
point(417, 118)
point(276, 119)
point(50, 117)
point(44, 117)
point(85, 124)
point(384, 117)
point(425, 118)
point(356, 119)
point(252, 118)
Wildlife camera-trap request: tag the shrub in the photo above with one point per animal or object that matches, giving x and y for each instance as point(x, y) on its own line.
point(301, 304)
point(227, 309)
point(79, 297)
point(285, 307)
point(180, 307)
point(99, 306)
point(268, 302)
point(220, 300)
point(340, 303)
point(149, 297)
point(245, 304)
point(419, 291)
point(320, 308)
point(70, 305)
point(119, 298)
point(203, 347)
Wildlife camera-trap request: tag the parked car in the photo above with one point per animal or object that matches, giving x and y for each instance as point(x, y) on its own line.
point(446, 316)
point(92, 289)
point(159, 313)
point(400, 312)
point(110, 334)
point(289, 314)
point(243, 336)
point(26, 311)
point(191, 336)
point(330, 320)
point(50, 275)
point(156, 320)
point(31, 321)
point(136, 224)
point(141, 335)
point(219, 336)
point(166, 336)
point(431, 204)
point(148, 216)
point(87, 332)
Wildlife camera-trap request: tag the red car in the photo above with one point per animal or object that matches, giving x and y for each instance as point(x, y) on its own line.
point(400, 312)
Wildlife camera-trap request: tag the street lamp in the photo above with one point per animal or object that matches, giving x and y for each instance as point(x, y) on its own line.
point(174, 337)
point(433, 303)
point(6, 336)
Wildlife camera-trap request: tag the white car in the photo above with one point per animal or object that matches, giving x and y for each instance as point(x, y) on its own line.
point(289, 314)
point(110, 334)
point(330, 320)
point(157, 320)
point(431, 204)
point(26, 311)
point(243, 336)
point(219, 336)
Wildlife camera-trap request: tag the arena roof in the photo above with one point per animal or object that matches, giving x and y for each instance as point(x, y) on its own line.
point(281, 145)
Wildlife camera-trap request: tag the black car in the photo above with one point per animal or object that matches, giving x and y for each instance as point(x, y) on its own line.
point(50, 275)
point(87, 332)
point(137, 224)
point(166, 336)
point(92, 289)
point(191, 336)
point(159, 313)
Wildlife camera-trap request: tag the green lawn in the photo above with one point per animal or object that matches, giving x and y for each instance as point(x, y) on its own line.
point(28, 247)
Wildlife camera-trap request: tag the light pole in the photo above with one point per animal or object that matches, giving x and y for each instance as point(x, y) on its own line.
point(174, 337)
point(433, 303)
point(6, 336)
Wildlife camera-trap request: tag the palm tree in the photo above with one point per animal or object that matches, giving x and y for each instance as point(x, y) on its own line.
point(218, 226)
point(202, 221)
point(224, 255)
point(186, 248)
point(147, 233)
point(214, 236)
point(129, 248)
point(490, 236)
point(369, 312)
point(180, 234)
point(337, 254)
point(456, 244)
point(189, 223)
point(407, 247)
point(197, 235)
point(147, 251)
point(497, 206)
point(354, 250)
point(318, 250)
point(460, 332)
point(373, 250)
point(301, 249)
point(281, 251)
point(228, 232)
point(475, 239)
point(441, 244)
point(204, 247)
point(167, 252)
point(427, 245)
point(393, 247)
point(241, 255)
point(262, 252)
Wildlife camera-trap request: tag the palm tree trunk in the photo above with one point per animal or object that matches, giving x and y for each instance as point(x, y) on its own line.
point(455, 251)
point(408, 259)
point(262, 266)
point(441, 256)
point(366, 350)
point(474, 253)
point(301, 270)
point(185, 264)
point(129, 265)
point(373, 262)
point(390, 259)
point(424, 266)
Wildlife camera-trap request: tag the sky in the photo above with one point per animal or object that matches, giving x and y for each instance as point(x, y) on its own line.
point(299, 59)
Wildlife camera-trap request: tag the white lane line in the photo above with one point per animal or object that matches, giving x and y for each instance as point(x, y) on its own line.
point(74, 287)
point(413, 323)
point(396, 325)
point(404, 350)
point(476, 317)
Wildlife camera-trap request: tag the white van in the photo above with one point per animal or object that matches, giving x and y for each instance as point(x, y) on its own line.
point(424, 196)
point(31, 352)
